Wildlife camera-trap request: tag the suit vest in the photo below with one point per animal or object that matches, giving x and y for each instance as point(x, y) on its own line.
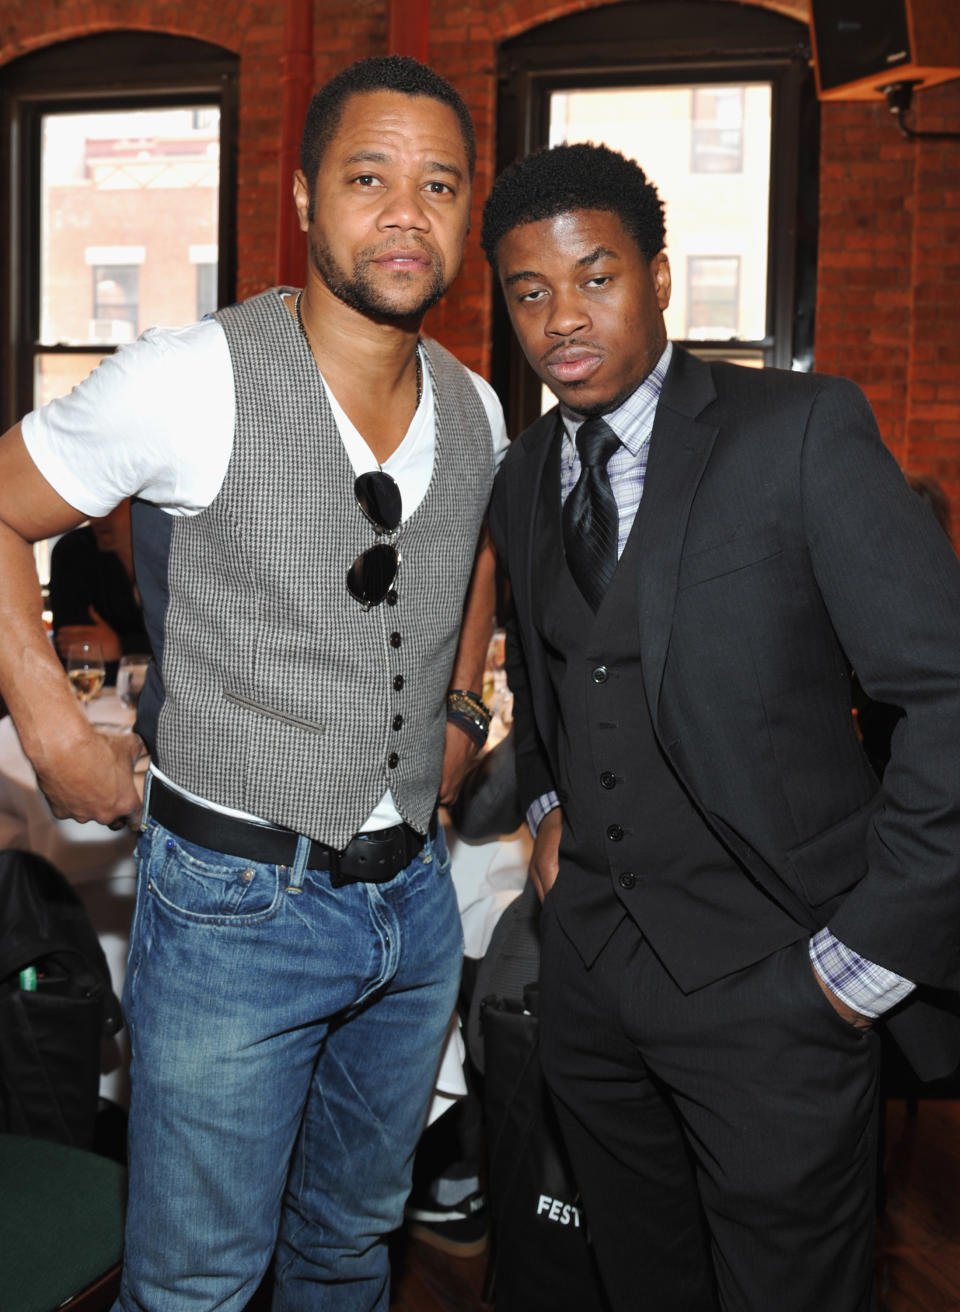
point(634, 842)
point(274, 692)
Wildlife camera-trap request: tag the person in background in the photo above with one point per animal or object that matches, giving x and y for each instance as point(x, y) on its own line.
point(312, 477)
point(93, 594)
point(698, 552)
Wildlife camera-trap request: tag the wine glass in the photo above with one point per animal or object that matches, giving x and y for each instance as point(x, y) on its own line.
point(131, 673)
point(85, 669)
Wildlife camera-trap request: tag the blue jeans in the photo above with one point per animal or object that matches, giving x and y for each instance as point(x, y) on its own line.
point(284, 1039)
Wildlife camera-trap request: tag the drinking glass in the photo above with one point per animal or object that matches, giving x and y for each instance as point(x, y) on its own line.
point(131, 673)
point(85, 669)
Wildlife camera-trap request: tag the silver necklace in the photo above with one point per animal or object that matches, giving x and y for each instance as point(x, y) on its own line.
point(306, 337)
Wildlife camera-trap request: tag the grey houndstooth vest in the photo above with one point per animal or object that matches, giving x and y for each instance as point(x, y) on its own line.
point(282, 697)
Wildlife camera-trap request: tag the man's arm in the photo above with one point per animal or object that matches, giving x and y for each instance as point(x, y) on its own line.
point(83, 774)
point(891, 585)
point(475, 632)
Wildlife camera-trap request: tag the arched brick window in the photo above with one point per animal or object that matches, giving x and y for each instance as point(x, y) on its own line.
point(118, 165)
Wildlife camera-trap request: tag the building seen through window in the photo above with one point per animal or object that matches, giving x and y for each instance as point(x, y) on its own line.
point(129, 230)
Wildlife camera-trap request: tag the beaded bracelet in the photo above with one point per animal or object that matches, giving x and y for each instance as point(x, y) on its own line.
point(467, 711)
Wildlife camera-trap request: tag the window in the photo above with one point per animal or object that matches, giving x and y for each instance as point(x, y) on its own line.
point(116, 300)
point(119, 190)
point(713, 297)
point(720, 210)
point(730, 141)
point(716, 129)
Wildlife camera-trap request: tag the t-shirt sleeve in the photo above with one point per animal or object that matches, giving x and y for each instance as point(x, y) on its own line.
point(494, 413)
point(154, 420)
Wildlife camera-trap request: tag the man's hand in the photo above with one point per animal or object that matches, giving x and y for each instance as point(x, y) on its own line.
point(98, 631)
point(91, 778)
point(545, 862)
point(459, 753)
point(854, 1018)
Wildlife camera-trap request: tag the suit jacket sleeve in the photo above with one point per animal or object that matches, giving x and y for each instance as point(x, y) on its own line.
point(891, 584)
point(534, 775)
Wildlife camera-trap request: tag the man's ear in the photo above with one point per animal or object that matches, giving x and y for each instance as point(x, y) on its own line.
point(660, 273)
point(302, 199)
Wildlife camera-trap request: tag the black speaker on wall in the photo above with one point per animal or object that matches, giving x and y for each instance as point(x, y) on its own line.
point(861, 46)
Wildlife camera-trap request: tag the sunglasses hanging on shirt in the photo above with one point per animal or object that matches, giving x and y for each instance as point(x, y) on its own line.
point(374, 572)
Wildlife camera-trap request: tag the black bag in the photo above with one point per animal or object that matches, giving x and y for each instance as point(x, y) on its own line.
point(50, 1034)
point(543, 1261)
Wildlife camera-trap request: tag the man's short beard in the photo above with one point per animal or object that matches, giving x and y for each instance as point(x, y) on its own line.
point(359, 294)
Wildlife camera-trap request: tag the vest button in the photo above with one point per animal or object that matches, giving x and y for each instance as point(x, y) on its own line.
point(395, 639)
point(608, 779)
point(397, 722)
point(614, 833)
point(393, 760)
point(397, 682)
point(600, 674)
point(391, 597)
point(627, 880)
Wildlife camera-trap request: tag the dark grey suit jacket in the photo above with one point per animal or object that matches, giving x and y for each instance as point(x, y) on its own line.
point(780, 546)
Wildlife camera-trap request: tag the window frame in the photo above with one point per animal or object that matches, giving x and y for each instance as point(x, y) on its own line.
point(681, 42)
point(148, 71)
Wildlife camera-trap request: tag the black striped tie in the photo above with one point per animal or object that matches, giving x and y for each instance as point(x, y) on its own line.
point(590, 518)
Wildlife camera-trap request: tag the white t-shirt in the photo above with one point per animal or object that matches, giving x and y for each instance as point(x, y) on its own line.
point(156, 420)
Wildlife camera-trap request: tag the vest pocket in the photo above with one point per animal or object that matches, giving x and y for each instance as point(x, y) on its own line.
point(271, 712)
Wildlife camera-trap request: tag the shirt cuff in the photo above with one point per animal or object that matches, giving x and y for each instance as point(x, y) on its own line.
point(861, 984)
point(540, 808)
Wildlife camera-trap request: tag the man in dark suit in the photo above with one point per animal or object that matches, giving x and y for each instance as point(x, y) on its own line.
point(731, 901)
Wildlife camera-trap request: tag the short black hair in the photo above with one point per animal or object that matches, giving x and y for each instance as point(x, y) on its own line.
point(584, 176)
point(379, 73)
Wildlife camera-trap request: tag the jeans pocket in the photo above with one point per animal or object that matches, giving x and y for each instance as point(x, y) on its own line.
point(210, 887)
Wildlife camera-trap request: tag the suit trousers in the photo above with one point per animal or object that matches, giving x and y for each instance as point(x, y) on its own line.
point(724, 1141)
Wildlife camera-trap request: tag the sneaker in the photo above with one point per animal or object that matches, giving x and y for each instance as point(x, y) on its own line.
point(460, 1229)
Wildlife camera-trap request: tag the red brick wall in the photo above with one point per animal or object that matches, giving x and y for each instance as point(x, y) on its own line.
point(889, 286)
point(888, 311)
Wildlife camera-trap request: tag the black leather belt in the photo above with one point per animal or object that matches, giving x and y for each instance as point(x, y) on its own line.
point(370, 858)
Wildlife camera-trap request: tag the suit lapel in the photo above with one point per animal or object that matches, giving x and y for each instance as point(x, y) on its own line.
point(680, 447)
point(541, 446)
point(540, 441)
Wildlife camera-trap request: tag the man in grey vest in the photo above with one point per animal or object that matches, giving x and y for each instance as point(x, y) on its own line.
point(731, 900)
point(312, 478)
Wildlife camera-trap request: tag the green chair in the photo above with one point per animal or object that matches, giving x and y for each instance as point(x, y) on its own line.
point(61, 1227)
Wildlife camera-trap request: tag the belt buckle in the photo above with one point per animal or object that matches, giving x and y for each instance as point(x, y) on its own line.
point(355, 868)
